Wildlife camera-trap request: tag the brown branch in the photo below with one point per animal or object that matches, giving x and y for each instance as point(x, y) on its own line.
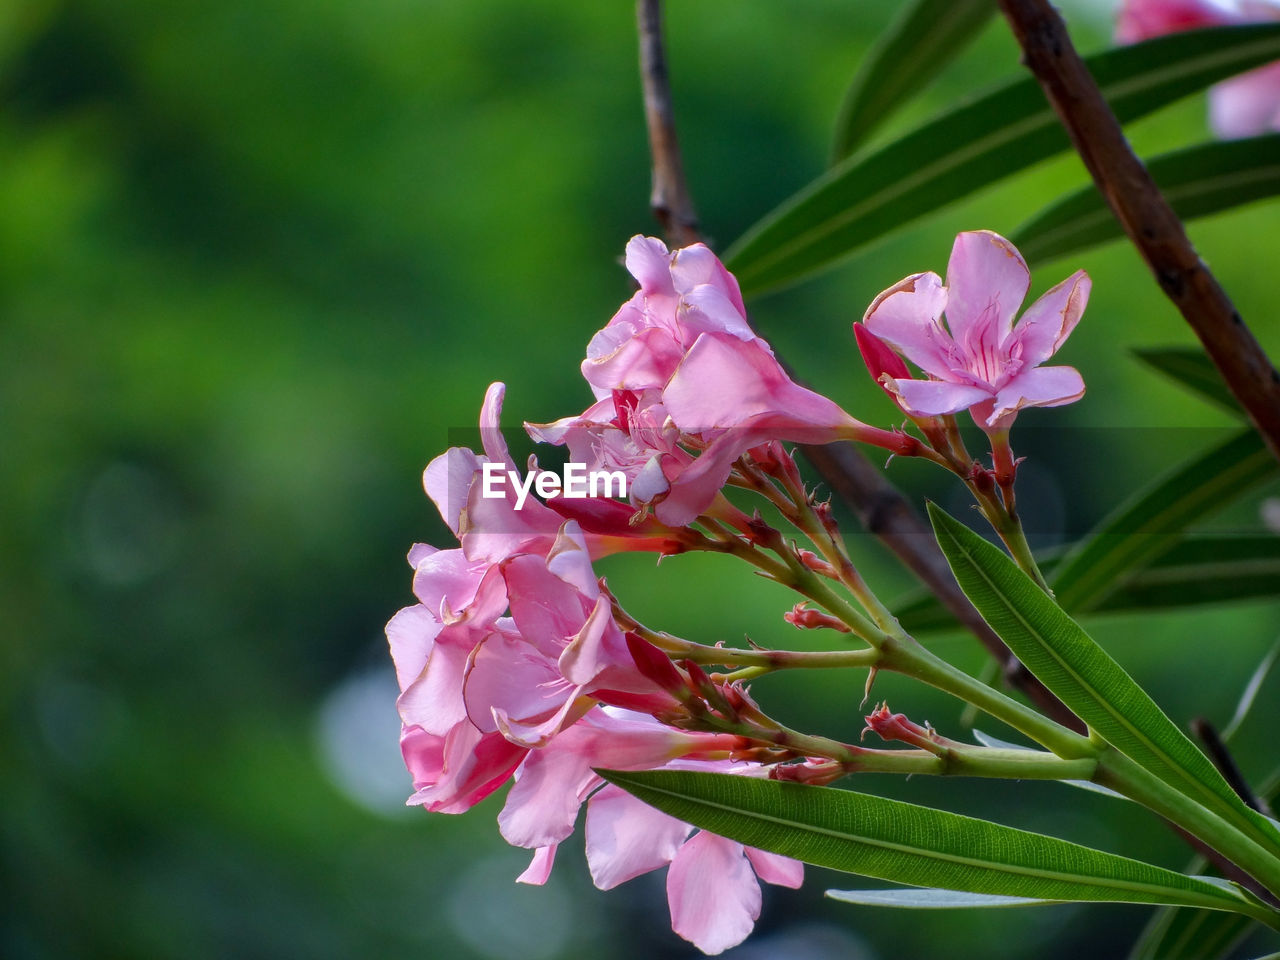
point(1145, 214)
point(864, 489)
point(669, 198)
point(1226, 764)
point(1160, 238)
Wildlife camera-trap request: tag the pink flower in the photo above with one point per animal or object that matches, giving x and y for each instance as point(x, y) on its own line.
point(684, 388)
point(980, 361)
point(712, 886)
point(683, 294)
point(480, 688)
point(1240, 107)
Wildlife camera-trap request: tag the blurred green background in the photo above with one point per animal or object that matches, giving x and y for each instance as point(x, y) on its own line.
point(256, 260)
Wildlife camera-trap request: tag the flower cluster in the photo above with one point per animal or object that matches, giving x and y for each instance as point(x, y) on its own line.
point(517, 665)
point(512, 667)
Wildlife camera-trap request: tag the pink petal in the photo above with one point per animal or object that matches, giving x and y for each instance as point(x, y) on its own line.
point(494, 529)
point(543, 803)
point(433, 700)
point(985, 273)
point(448, 479)
point(934, 398)
point(723, 381)
point(557, 432)
point(713, 893)
point(626, 837)
point(539, 868)
point(710, 310)
point(570, 561)
point(599, 644)
point(696, 265)
point(649, 261)
point(1144, 19)
point(411, 634)
point(509, 674)
point(694, 489)
point(536, 733)
point(775, 868)
point(423, 754)
point(446, 581)
point(650, 482)
point(547, 610)
point(491, 439)
point(907, 315)
point(1247, 105)
point(1039, 387)
point(1048, 322)
point(878, 356)
point(642, 361)
point(622, 740)
point(474, 765)
point(419, 552)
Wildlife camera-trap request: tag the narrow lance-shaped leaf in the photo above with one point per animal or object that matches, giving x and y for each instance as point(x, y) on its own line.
point(925, 37)
point(1198, 181)
point(1139, 530)
point(974, 146)
point(1084, 677)
point(1198, 570)
point(1251, 689)
point(1183, 933)
point(1191, 367)
point(905, 843)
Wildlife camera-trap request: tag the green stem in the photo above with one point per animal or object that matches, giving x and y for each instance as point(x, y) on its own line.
point(1008, 526)
point(951, 760)
point(1015, 538)
point(766, 660)
point(807, 583)
point(909, 658)
point(798, 509)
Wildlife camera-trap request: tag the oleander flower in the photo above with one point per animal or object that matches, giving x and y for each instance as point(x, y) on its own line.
point(511, 640)
point(684, 388)
point(1240, 107)
point(979, 361)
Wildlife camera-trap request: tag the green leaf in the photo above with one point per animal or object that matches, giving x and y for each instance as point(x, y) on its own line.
point(1198, 181)
point(1250, 694)
point(1181, 933)
point(1198, 571)
point(1139, 530)
point(1006, 131)
point(909, 844)
point(1083, 676)
point(1191, 367)
point(924, 38)
point(914, 898)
